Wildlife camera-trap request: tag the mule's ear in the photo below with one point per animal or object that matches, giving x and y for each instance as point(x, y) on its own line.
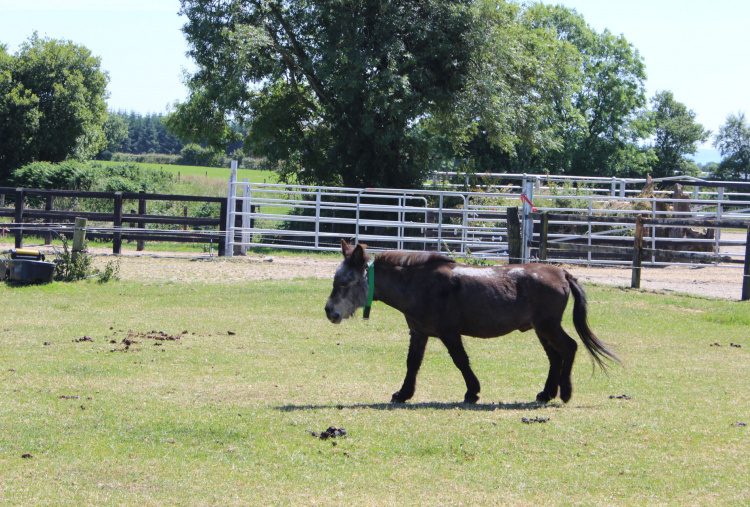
point(358, 255)
point(346, 250)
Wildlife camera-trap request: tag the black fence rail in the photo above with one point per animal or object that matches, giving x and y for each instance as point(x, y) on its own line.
point(33, 212)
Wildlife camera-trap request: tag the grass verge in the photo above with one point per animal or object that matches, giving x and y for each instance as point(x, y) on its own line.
point(222, 413)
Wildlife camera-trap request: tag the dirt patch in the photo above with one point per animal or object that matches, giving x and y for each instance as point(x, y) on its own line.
point(158, 338)
point(162, 267)
point(527, 420)
point(721, 282)
point(331, 432)
point(166, 267)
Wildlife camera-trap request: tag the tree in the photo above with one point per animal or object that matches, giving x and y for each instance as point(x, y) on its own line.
point(676, 135)
point(733, 142)
point(147, 134)
point(115, 130)
point(333, 92)
point(19, 117)
point(521, 73)
point(599, 124)
point(52, 103)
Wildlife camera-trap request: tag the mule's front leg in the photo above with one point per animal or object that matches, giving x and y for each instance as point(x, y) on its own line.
point(461, 360)
point(417, 345)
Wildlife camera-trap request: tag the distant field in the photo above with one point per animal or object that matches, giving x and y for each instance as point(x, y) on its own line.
point(215, 173)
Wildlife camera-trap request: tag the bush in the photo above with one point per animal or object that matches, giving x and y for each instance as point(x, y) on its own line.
point(63, 176)
point(196, 155)
point(147, 158)
point(69, 270)
point(91, 176)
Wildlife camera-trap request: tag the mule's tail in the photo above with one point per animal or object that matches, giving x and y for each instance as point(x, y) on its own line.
point(597, 348)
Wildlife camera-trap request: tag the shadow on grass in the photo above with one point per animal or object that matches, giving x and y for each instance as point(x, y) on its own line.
point(475, 407)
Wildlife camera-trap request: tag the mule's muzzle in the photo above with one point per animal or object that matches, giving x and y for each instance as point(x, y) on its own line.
point(332, 314)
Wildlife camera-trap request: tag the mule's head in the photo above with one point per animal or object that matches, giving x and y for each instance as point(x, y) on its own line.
point(349, 284)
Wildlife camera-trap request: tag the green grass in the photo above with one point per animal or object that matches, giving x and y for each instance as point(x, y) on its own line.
point(210, 173)
point(220, 419)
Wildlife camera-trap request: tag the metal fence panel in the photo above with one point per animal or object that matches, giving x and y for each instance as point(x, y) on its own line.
point(584, 227)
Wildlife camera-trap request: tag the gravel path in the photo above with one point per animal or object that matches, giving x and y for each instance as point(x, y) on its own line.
point(160, 267)
point(722, 282)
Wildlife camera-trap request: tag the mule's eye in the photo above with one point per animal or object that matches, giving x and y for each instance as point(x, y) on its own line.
point(344, 285)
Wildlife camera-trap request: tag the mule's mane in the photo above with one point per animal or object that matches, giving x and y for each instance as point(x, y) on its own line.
point(407, 259)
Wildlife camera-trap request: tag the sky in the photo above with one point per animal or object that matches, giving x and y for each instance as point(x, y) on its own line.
point(699, 50)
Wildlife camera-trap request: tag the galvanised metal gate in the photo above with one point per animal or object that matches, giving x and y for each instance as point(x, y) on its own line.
point(475, 222)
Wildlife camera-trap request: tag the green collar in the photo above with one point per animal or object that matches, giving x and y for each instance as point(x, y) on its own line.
point(371, 289)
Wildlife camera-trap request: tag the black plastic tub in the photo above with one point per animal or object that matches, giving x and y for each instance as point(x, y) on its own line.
point(26, 271)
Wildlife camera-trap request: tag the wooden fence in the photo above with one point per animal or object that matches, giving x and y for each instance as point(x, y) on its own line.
point(41, 222)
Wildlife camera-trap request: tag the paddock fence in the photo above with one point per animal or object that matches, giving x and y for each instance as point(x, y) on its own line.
point(580, 226)
point(38, 212)
point(696, 222)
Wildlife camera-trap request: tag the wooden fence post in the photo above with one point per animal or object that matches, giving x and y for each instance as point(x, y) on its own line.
point(746, 277)
point(543, 232)
point(223, 228)
point(19, 217)
point(117, 236)
point(514, 237)
point(635, 281)
point(48, 207)
point(141, 244)
point(79, 237)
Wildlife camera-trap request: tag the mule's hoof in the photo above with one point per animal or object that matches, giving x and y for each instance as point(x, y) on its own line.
point(566, 391)
point(543, 397)
point(397, 398)
point(471, 398)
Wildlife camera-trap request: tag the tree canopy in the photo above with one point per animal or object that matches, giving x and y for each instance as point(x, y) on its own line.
point(520, 75)
point(597, 123)
point(373, 93)
point(146, 134)
point(733, 142)
point(52, 103)
point(676, 136)
point(332, 91)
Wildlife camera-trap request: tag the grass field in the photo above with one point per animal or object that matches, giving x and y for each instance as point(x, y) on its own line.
point(220, 418)
point(211, 173)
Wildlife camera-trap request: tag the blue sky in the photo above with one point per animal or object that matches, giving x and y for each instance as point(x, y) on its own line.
point(699, 50)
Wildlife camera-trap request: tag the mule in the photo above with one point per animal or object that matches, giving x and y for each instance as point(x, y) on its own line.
point(442, 298)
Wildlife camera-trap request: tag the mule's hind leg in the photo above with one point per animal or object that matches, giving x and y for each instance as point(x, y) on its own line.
point(417, 344)
point(570, 346)
point(561, 352)
point(553, 377)
point(456, 349)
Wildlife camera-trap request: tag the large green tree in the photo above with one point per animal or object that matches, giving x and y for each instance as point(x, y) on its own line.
point(600, 124)
point(676, 135)
point(52, 103)
point(733, 142)
point(332, 91)
point(521, 75)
